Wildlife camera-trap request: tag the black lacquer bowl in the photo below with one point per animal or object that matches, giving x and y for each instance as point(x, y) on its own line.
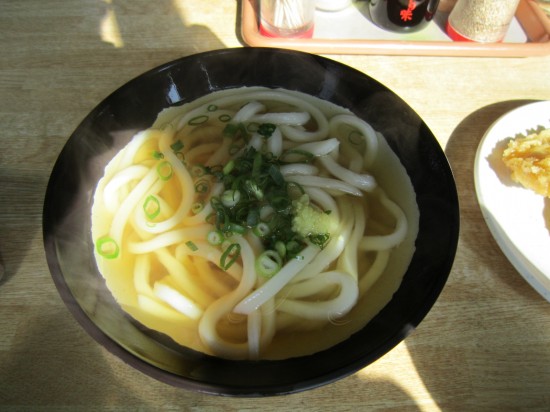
point(67, 217)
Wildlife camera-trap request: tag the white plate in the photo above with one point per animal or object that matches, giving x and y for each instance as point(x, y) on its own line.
point(518, 218)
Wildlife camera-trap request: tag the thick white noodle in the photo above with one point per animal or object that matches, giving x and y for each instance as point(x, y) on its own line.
point(123, 177)
point(178, 301)
point(319, 148)
point(270, 288)
point(299, 169)
point(325, 182)
point(280, 119)
point(142, 270)
point(325, 201)
point(129, 203)
point(362, 181)
point(375, 271)
point(371, 138)
point(254, 329)
point(217, 310)
point(170, 238)
point(183, 176)
point(184, 280)
point(130, 151)
point(210, 253)
point(347, 262)
point(275, 142)
point(328, 309)
point(334, 248)
point(380, 242)
point(248, 111)
point(199, 218)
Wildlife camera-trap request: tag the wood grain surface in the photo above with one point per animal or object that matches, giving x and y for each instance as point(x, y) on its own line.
point(485, 345)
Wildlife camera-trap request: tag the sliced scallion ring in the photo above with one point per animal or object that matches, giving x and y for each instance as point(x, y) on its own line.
point(261, 229)
point(165, 170)
point(215, 237)
point(197, 207)
point(107, 247)
point(198, 120)
point(268, 263)
point(151, 207)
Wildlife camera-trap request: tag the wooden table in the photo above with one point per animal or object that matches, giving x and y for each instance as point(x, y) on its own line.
point(484, 346)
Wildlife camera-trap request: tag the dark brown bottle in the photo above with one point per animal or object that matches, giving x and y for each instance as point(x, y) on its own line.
point(403, 16)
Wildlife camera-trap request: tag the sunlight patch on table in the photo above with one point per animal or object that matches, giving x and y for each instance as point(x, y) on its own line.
point(398, 367)
point(109, 28)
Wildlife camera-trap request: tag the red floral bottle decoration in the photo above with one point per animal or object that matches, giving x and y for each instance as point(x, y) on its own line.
point(407, 14)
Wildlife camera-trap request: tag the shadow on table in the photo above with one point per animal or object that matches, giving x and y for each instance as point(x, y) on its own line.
point(45, 371)
point(463, 365)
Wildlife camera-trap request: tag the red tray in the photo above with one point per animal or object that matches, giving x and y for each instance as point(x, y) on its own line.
point(531, 27)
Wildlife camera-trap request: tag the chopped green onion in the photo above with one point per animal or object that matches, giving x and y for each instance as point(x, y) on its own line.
point(234, 149)
point(192, 246)
point(280, 248)
point(229, 167)
point(266, 129)
point(253, 189)
point(215, 237)
point(197, 207)
point(252, 217)
point(151, 207)
point(201, 186)
point(257, 164)
point(295, 190)
point(224, 118)
point(230, 198)
point(268, 263)
point(107, 247)
point(211, 218)
point(303, 156)
point(232, 252)
point(180, 157)
point(212, 108)
point(276, 175)
point(164, 170)
point(319, 239)
point(177, 146)
point(198, 120)
point(236, 131)
point(293, 247)
point(264, 204)
point(232, 228)
point(198, 170)
point(261, 229)
point(157, 155)
point(230, 130)
point(252, 127)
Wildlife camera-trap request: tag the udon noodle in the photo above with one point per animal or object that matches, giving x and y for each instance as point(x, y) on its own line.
point(255, 224)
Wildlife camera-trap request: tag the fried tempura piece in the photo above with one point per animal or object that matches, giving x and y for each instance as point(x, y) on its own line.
point(529, 160)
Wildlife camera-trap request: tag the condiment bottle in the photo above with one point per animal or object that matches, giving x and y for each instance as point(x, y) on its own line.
point(484, 21)
point(402, 16)
point(287, 18)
